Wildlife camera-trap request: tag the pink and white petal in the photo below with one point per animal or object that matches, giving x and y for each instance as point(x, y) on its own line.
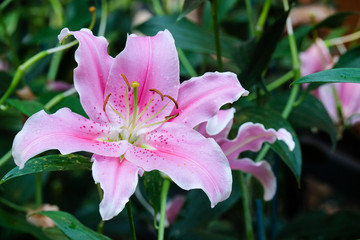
point(251, 136)
point(118, 179)
point(349, 95)
point(152, 62)
point(188, 158)
point(325, 93)
point(66, 131)
point(260, 170)
point(200, 98)
point(91, 74)
point(218, 127)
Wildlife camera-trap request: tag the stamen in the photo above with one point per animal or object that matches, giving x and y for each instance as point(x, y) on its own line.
point(135, 85)
point(174, 101)
point(106, 100)
point(158, 92)
point(126, 81)
point(117, 112)
point(167, 118)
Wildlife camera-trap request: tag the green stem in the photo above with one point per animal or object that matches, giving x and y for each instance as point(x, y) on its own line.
point(23, 67)
point(163, 196)
point(8, 40)
point(58, 10)
point(262, 19)
point(250, 17)
point(12, 205)
point(103, 18)
point(131, 220)
point(5, 158)
point(54, 66)
point(100, 228)
point(246, 208)
point(214, 13)
point(58, 98)
point(158, 8)
point(185, 62)
point(38, 190)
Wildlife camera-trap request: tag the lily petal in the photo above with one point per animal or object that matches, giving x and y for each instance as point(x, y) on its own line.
point(200, 98)
point(66, 131)
point(251, 136)
point(92, 71)
point(261, 170)
point(189, 159)
point(153, 63)
point(118, 179)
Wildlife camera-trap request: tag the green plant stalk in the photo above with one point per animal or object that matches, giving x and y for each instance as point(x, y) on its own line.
point(12, 205)
point(214, 13)
point(131, 220)
point(4, 4)
point(246, 208)
point(250, 17)
point(58, 10)
point(54, 66)
point(163, 196)
point(8, 40)
point(158, 8)
point(38, 190)
point(5, 158)
point(185, 62)
point(100, 228)
point(23, 67)
point(262, 19)
point(103, 18)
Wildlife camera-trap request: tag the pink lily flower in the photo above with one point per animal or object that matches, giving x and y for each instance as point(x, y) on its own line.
point(140, 119)
point(250, 137)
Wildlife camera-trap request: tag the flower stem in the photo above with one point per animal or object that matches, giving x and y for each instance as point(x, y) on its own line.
point(250, 17)
point(158, 8)
point(103, 18)
point(5, 158)
point(259, 219)
point(8, 40)
point(131, 220)
point(163, 196)
point(38, 190)
point(246, 208)
point(262, 19)
point(214, 13)
point(12, 205)
point(185, 62)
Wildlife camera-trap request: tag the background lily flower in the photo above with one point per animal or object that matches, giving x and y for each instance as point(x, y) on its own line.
point(250, 137)
point(140, 119)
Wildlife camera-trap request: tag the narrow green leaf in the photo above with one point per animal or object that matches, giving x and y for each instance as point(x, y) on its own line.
point(188, 6)
point(272, 119)
point(260, 55)
point(18, 222)
point(72, 227)
point(187, 35)
point(50, 163)
point(152, 183)
point(26, 107)
point(350, 59)
point(334, 21)
point(332, 75)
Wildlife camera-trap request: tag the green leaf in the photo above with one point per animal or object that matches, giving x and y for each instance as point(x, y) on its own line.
point(50, 163)
point(72, 227)
point(333, 21)
point(187, 35)
point(152, 183)
point(259, 57)
point(26, 107)
point(318, 225)
point(332, 75)
point(18, 222)
point(188, 6)
point(350, 59)
point(272, 119)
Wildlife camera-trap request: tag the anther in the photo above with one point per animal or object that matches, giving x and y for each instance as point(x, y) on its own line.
point(158, 92)
point(126, 81)
point(167, 118)
point(106, 100)
point(135, 84)
point(172, 99)
point(92, 9)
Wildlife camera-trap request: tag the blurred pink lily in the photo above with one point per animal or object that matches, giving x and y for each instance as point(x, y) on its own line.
point(141, 119)
point(250, 137)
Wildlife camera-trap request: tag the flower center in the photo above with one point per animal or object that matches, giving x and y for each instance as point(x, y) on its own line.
point(134, 122)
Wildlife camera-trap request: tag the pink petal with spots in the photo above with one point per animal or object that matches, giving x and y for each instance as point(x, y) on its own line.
point(118, 179)
point(316, 58)
point(251, 136)
point(188, 158)
point(218, 127)
point(200, 98)
point(260, 170)
point(66, 131)
point(151, 61)
point(92, 71)
point(349, 95)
